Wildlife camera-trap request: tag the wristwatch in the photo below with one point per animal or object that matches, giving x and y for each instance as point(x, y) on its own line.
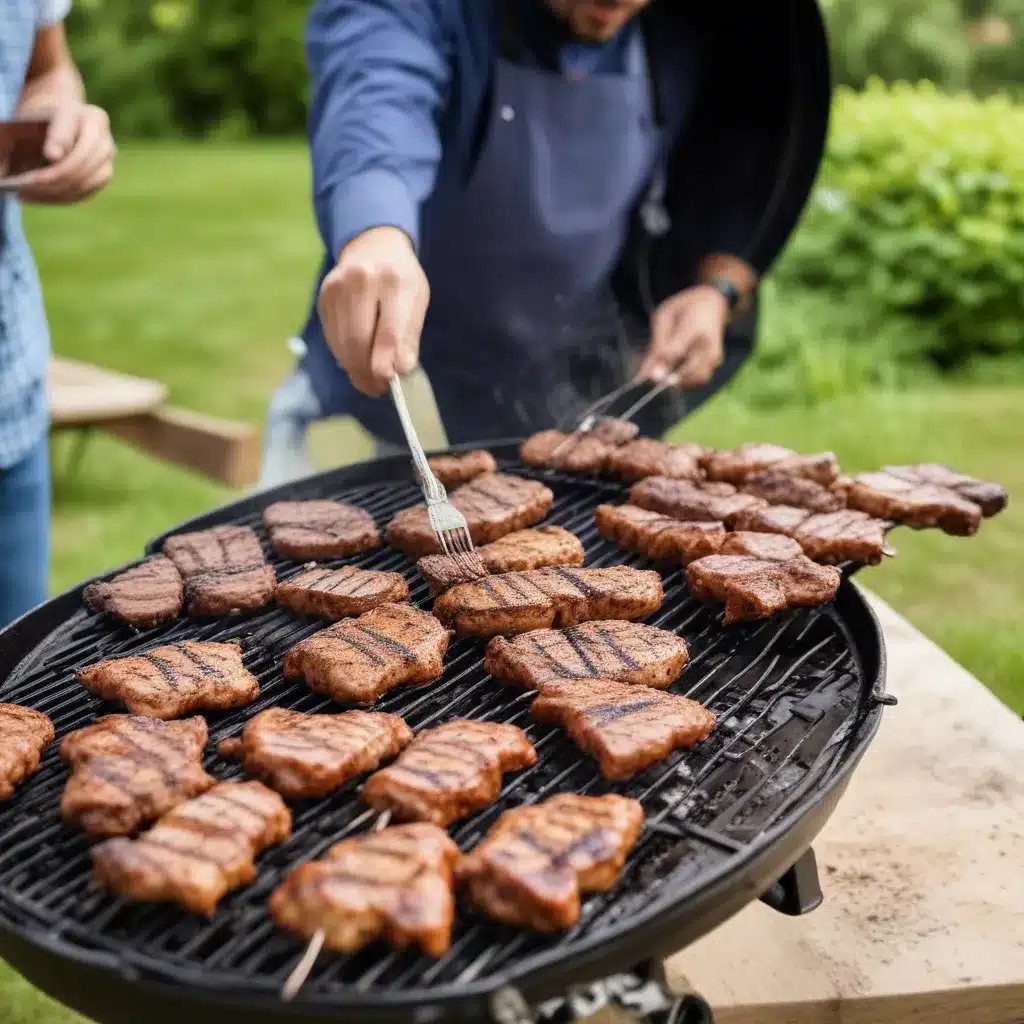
point(732, 295)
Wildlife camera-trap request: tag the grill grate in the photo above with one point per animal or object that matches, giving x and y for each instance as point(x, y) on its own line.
point(790, 695)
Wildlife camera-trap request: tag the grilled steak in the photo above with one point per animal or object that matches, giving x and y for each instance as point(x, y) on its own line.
point(989, 497)
point(778, 488)
point(613, 430)
point(221, 547)
point(449, 772)
point(646, 457)
point(624, 651)
point(339, 593)
point(846, 536)
point(627, 728)
point(784, 519)
point(575, 453)
point(516, 552)
point(305, 757)
point(658, 536)
point(741, 463)
point(24, 735)
point(517, 602)
point(919, 505)
point(494, 504)
point(175, 680)
point(127, 771)
point(532, 866)
point(233, 590)
point(682, 499)
point(361, 659)
point(394, 885)
point(198, 852)
point(761, 545)
point(319, 529)
point(453, 470)
point(144, 596)
point(755, 588)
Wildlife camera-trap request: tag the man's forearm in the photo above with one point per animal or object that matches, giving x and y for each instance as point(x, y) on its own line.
point(738, 272)
point(52, 79)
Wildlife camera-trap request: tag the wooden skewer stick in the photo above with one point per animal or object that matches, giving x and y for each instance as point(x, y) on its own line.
point(304, 967)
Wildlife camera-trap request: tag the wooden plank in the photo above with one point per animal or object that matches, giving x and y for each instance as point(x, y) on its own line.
point(83, 395)
point(223, 450)
point(921, 870)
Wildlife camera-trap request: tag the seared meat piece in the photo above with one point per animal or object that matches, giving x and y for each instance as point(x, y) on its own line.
point(197, 853)
point(305, 757)
point(778, 488)
point(783, 519)
point(394, 885)
point(989, 497)
point(919, 505)
point(741, 463)
point(361, 659)
point(517, 602)
point(646, 457)
point(340, 593)
point(449, 772)
point(494, 505)
point(614, 431)
point(516, 552)
point(755, 588)
point(682, 499)
point(627, 728)
point(175, 680)
point(233, 590)
point(761, 545)
point(24, 735)
point(658, 536)
point(453, 470)
point(319, 529)
point(221, 547)
point(532, 866)
point(128, 770)
point(575, 453)
point(624, 651)
point(846, 536)
point(144, 596)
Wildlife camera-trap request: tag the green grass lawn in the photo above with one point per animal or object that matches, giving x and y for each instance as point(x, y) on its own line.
point(196, 267)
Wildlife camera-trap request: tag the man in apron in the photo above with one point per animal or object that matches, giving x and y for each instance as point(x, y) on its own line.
point(537, 199)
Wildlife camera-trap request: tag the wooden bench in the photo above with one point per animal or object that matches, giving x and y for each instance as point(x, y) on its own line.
point(84, 398)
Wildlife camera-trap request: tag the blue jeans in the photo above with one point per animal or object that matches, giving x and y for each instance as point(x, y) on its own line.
point(24, 533)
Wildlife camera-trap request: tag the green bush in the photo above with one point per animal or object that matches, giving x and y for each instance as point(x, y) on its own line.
point(919, 211)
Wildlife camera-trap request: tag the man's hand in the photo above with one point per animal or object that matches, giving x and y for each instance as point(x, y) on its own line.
point(81, 153)
point(372, 307)
point(688, 336)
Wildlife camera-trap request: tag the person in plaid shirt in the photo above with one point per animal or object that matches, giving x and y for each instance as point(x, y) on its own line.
point(37, 78)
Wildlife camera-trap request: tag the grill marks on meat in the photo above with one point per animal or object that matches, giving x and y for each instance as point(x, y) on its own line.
point(703, 502)
point(144, 596)
point(920, 505)
point(128, 770)
point(761, 545)
point(198, 852)
point(220, 547)
point(174, 680)
point(755, 588)
point(361, 659)
point(785, 519)
point(340, 593)
point(449, 772)
point(319, 529)
point(843, 537)
point(494, 505)
point(560, 596)
point(626, 652)
point(658, 536)
point(517, 552)
point(748, 460)
point(24, 735)
point(395, 885)
point(991, 498)
point(646, 457)
point(453, 470)
point(627, 728)
point(535, 862)
point(305, 757)
point(778, 488)
point(575, 453)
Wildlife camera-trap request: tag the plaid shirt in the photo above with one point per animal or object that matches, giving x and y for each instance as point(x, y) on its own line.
point(24, 337)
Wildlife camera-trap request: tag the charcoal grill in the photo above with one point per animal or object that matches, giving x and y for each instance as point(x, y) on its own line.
point(798, 698)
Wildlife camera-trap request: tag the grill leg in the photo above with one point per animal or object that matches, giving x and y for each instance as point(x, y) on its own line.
point(798, 891)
